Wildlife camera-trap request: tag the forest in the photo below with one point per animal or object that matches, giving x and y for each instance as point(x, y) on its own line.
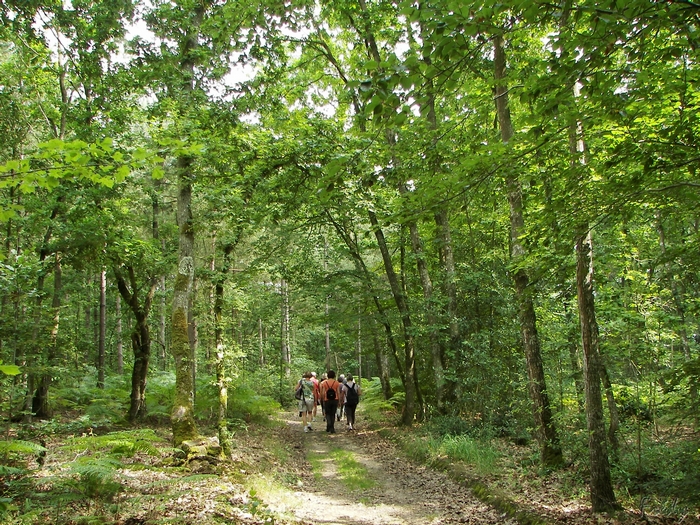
point(487, 211)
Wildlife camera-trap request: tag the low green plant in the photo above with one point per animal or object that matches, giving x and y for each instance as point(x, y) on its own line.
point(471, 451)
point(247, 405)
point(372, 401)
point(426, 447)
point(257, 508)
point(97, 479)
point(119, 444)
point(15, 482)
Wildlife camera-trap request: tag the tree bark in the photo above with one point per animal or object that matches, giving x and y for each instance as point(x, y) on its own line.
point(261, 342)
point(448, 262)
point(284, 328)
point(409, 410)
point(601, 489)
point(221, 381)
point(436, 343)
point(382, 366)
point(40, 402)
point(551, 453)
point(368, 280)
point(120, 340)
point(140, 337)
point(182, 417)
point(103, 331)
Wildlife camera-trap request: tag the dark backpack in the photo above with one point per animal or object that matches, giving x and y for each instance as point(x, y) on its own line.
point(299, 394)
point(351, 396)
point(330, 394)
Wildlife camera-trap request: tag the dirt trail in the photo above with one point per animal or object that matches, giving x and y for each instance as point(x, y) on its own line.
point(404, 494)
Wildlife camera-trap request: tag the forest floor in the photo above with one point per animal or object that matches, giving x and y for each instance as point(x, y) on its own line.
point(407, 492)
point(281, 475)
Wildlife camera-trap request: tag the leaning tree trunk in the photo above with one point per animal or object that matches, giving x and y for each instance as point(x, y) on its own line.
point(409, 410)
point(410, 371)
point(368, 280)
point(551, 453)
point(601, 489)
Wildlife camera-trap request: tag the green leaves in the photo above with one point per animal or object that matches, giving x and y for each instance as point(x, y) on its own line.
point(99, 162)
point(10, 370)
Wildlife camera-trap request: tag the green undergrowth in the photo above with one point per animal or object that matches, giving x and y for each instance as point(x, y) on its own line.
point(85, 477)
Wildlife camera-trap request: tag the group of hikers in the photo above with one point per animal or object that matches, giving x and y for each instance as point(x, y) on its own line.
point(335, 397)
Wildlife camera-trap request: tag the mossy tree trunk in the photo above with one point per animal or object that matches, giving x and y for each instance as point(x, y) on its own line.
point(182, 418)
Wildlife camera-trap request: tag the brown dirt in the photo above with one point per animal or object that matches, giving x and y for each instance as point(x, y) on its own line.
point(404, 493)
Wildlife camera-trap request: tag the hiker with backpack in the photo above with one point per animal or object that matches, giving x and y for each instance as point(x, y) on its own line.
point(317, 394)
point(331, 395)
point(351, 395)
point(307, 400)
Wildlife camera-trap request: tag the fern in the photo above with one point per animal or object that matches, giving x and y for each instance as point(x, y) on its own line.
point(17, 446)
point(6, 471)
point(124, 443)
point(97, 477)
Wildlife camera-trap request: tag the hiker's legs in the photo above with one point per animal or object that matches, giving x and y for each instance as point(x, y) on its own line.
point(330, 407)
point(350, 413)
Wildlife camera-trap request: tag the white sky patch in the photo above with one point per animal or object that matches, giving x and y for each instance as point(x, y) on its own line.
point(140, 29)
point(252, 118)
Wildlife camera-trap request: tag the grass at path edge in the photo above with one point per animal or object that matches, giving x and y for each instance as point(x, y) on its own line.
point(460, 474)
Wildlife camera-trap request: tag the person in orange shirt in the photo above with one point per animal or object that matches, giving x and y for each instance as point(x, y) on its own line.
point(331, 396)
point(317, 394)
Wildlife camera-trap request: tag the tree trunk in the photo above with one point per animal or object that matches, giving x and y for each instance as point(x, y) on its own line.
point(120, 339)
point(182, 417)
point(436, 344)
point(601, 489)
point(155, 201)
point(284, 328)
point(221, 381)
point(141, 346)
point(551, 454)
point(103, 331)
point(409, 410)
point(382, 366)
point(140, 338)
point(448, 263)
point(261, 342)
point(40, 402)
point(612, 409)
point(368, 280)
